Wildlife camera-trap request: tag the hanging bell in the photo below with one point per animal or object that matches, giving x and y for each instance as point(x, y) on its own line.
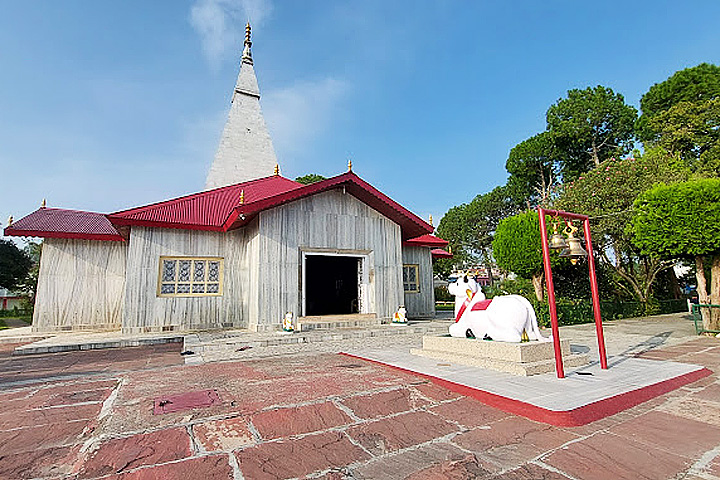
point(557, 241)
point(574, 248)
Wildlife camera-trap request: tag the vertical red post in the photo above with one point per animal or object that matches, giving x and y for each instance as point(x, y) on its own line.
point(595, 296)
point(559, 369)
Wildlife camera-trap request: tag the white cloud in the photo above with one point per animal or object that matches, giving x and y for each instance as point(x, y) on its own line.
point(299, 113)
point(221, 23)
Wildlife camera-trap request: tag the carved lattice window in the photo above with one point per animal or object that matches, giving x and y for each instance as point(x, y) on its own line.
point(190, 276)
point(411, 280)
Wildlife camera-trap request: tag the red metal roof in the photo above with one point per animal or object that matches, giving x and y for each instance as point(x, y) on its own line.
point(61, 223)
point(427, 240)
point(208, 210)
point(411, 224)
point(440, 253)
point(220, 209)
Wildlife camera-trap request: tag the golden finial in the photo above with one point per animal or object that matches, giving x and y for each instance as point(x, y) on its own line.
point(242, 197)
point(43, 204)
point(247, 53)
point(277, 169)
point(10, 221)
point(349, 165)
point(449, 249)
point(430, 220)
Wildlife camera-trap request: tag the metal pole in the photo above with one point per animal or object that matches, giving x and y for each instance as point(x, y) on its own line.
point(559, 369)
point(595, 297)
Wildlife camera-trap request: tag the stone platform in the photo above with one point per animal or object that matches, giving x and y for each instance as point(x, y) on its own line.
point(524, 359)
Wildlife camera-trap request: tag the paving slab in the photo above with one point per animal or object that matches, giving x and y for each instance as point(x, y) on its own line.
point(584, 395)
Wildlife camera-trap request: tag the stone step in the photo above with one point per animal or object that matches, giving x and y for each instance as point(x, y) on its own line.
point(335, 322)
point(317, 336)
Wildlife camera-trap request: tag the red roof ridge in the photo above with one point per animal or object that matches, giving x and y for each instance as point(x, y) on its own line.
point(413, 226)
point(202, 193)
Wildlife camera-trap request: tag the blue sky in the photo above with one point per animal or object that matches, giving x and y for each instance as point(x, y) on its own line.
point(110, 105)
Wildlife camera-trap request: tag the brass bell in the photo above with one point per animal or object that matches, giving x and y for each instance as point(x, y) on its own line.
point(557, 241)
point(574, 248)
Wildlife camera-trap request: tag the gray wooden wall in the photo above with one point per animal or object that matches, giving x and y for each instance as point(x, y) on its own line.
point(335, 221)
point(146, 311)
point(421, 304)
point(81, 285)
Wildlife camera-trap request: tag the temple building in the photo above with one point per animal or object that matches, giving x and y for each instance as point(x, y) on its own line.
point(243, 253)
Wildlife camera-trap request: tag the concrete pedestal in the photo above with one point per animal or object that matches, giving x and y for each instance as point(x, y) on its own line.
point(525, 359)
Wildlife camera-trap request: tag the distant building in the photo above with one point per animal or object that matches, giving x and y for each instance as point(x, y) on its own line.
point(9, 300)
point(241, 254)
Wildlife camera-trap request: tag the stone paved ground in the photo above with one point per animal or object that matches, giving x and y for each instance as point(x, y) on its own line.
point(89, 415)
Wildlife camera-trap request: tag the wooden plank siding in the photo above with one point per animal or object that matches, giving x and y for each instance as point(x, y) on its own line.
point(81, 285)
point(334, 222)
point(420, 304)
point(145, 311)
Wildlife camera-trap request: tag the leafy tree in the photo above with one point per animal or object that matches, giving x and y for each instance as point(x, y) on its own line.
point(470, 228)
point(692, 130)
point(590, 126)
point(683, 220)
point(534, 170)
point(517, 248)
point(28, 285)
point(696, 84)
point(454, 228)
point(309, 178)
point(14, 264)
point(606, 194)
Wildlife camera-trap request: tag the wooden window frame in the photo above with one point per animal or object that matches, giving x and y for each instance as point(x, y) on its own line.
point(191, 281)
point(417, 277)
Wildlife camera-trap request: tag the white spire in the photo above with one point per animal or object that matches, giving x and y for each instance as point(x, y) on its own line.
point(245, 151)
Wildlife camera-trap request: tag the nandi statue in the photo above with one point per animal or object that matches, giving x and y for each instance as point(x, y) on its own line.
point(502, 318)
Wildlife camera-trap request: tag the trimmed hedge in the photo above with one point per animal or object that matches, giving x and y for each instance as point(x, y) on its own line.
point(577, 312)
point(16, 312)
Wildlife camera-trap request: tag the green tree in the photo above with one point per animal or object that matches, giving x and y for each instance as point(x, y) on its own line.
point(470, 228)
point(28, 285)
point(534, 170)
point(590, 126)
point(517, 248)
point(683, 220)
point(14, 264)
point(309, 178)
point(454, 228)
point(696, 84)
point(606, 194)
point(691, 130)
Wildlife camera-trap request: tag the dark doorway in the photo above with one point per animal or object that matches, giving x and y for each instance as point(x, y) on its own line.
point(331, 285)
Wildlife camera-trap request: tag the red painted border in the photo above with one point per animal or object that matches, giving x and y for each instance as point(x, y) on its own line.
point(562, 418)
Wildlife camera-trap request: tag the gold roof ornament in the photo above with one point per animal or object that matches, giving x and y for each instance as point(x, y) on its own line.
point(242, 197)
point(277, 169)
point(10, 221)
point(349, 165)
point(247, 53)
point(430, 220)
point(43, 204)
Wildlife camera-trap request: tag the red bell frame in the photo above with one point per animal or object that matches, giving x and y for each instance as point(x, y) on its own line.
point(559, 368)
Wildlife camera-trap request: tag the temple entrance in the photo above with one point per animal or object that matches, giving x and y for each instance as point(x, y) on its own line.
point(332, 284)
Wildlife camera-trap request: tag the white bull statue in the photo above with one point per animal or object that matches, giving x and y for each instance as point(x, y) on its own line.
point(504, 318)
